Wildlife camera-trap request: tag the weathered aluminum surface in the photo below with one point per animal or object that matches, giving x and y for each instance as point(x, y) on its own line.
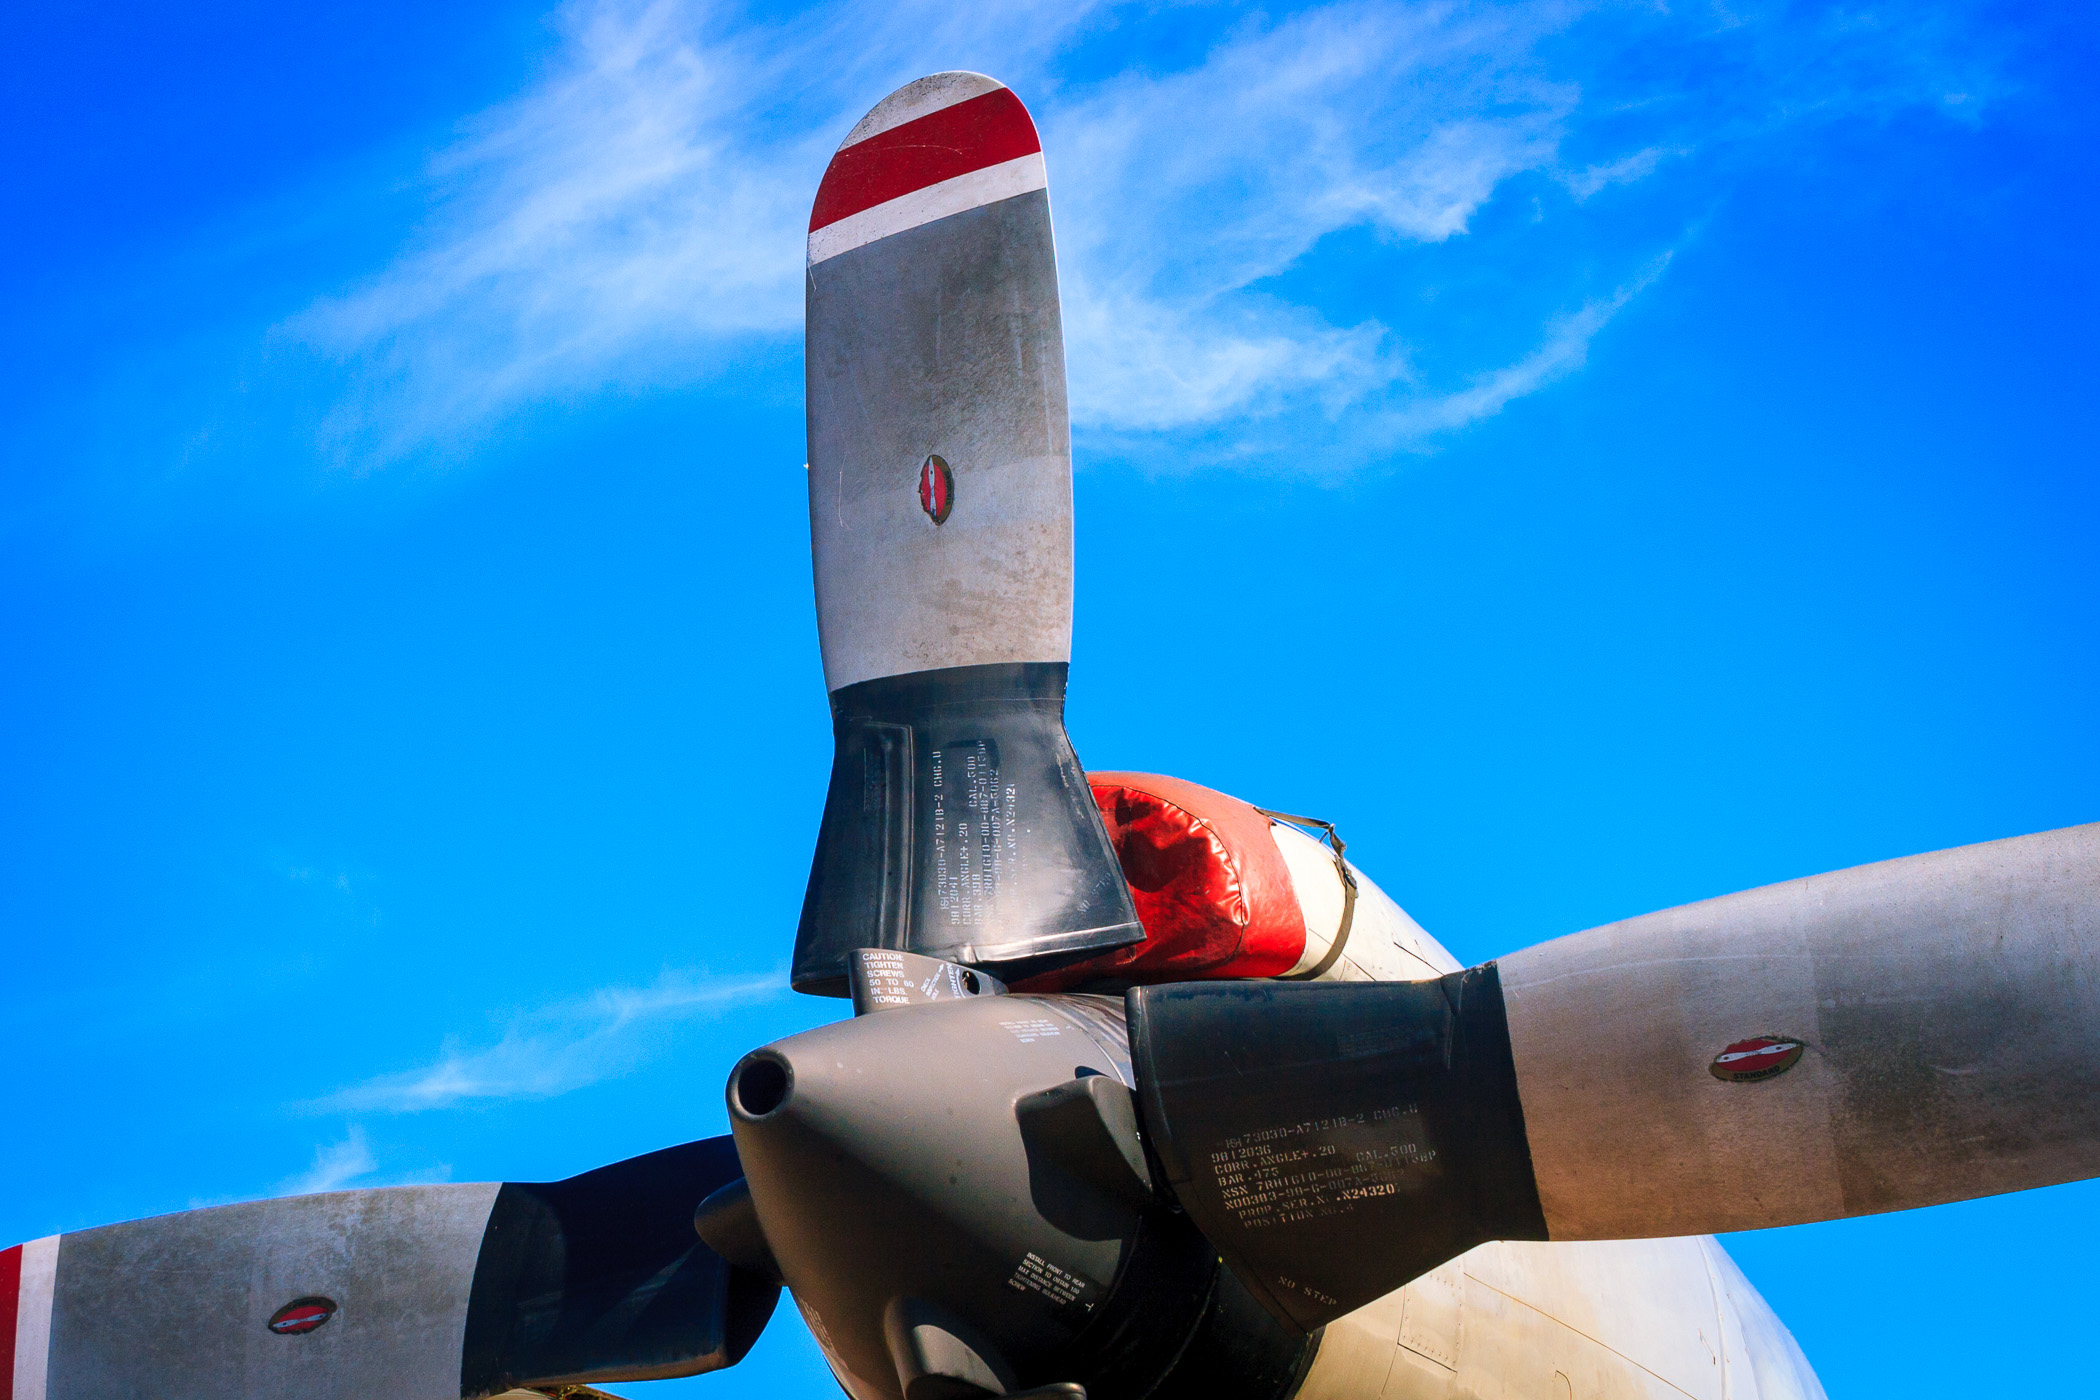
point(1621, 1320)
point(941, 340)
point(178, 1307)
point(1949, 1005)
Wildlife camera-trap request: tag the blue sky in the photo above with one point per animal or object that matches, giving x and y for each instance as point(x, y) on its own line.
point(1601, 456)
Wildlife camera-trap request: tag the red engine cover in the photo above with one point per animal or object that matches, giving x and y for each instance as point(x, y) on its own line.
point(1211, 888)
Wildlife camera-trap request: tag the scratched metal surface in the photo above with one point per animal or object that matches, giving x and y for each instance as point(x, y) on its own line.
point(178, 1307)
point(945, 339)
point(1612, 1320)
point(1950, 1004)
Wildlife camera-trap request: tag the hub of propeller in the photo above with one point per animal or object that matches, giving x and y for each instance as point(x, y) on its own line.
point(957, 1197)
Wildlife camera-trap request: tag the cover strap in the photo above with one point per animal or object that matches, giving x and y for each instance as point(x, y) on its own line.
point(1333, 839)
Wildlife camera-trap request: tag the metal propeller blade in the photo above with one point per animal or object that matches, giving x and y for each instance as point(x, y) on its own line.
point(1897, 1035)
point(959, 823)
point(418, 1292)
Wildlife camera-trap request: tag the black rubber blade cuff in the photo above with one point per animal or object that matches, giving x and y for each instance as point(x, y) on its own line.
point(601, 1278)
point(1335, 1140)
point(960, 826)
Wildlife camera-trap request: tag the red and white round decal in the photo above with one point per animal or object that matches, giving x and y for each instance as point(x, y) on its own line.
point(1759, 1057)
point(936, 489)
point(301, 1315)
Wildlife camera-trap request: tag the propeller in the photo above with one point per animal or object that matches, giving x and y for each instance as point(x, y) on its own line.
point(1898, 1035)
point(970, 1191)
point(422, 1292)
point(959, 823)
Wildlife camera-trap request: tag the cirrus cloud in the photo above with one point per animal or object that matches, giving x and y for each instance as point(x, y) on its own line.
point(634, 221)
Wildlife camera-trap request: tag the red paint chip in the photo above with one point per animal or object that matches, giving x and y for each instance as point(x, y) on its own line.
point(936, 489)
point(1760, 1057)
point(301, 1315)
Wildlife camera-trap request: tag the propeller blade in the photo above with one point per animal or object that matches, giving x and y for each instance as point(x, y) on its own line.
point(1898, 1035)
point(420, 1292)
point(959, 823)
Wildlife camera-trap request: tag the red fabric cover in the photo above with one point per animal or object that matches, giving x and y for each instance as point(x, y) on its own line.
point(1211, 888)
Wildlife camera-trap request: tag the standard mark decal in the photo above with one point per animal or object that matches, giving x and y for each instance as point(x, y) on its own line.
point(301, 1315)
point(936, 489)
point(1760, 1057)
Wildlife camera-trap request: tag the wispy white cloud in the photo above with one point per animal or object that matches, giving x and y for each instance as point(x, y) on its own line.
point(1178, 195)
point(1563, 350)
point(604, 222)
point(631, 216)
point(335, 1166)
point(635, 218)
point(554, 1049)
point(1624, 171)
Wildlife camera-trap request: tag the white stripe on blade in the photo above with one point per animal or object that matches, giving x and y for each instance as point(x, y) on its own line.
point(964, 192)
point(33, 1317)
